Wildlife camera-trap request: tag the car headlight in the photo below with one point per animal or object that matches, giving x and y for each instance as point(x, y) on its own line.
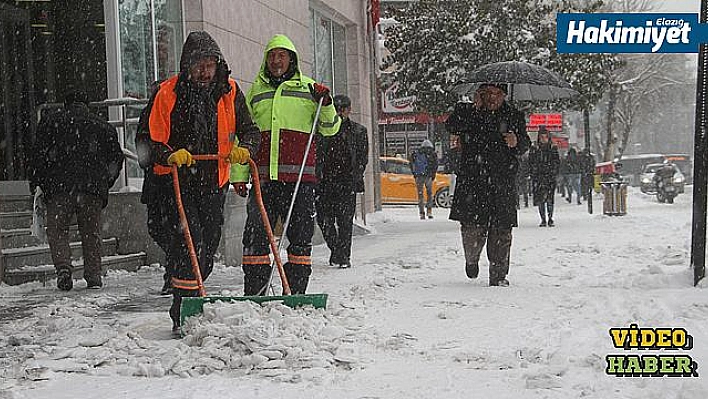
point(678, 179)
point(646, 180)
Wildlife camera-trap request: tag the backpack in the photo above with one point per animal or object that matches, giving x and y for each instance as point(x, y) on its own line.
point(420, 163)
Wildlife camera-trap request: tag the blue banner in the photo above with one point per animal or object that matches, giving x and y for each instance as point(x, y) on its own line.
point(629, 33)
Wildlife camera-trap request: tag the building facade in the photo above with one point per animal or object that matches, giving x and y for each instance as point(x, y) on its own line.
point(114, 50)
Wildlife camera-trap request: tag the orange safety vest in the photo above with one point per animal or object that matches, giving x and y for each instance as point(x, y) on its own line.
point(226, 124)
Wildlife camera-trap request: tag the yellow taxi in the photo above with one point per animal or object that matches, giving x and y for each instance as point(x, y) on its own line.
point(398, 184)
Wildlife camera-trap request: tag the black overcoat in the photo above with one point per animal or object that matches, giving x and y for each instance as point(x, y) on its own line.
point(485, 194)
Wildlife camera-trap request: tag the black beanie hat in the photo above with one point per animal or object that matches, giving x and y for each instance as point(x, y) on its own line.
point(341, 101)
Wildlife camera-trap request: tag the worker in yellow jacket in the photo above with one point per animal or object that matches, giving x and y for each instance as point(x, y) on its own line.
point(283, 103)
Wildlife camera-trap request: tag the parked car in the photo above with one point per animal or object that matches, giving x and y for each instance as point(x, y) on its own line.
point(646, 180)
point(398, 184)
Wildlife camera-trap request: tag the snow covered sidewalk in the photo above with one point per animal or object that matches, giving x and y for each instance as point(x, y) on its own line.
point(403, 322)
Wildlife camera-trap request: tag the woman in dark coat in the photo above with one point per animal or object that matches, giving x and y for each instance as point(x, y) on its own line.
point(544, 161)
point(492, 134)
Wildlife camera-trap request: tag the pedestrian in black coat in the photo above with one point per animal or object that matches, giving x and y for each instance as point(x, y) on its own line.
point(587, 162)
point(341, 162)
point(544, 161)
point(523, 180)
point(492, 135)
point(76, 159)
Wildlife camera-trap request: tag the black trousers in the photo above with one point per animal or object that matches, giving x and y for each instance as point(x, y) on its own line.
point(204, 209)
point(336, 205)
point(256, 264)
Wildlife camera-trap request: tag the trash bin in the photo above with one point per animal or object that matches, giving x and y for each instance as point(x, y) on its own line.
point(614, 195)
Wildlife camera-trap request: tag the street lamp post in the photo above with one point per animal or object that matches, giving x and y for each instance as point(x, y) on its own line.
point(700, 174)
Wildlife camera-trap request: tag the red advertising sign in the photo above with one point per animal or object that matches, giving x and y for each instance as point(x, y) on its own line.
point(560, 142)
point(552, 122)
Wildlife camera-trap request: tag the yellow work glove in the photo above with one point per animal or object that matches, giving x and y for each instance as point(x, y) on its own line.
point(239, 155)
point(181, 157)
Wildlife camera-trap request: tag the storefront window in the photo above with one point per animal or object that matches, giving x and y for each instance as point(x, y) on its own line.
point(169, 37)
point(329, 41)
point(150, 44)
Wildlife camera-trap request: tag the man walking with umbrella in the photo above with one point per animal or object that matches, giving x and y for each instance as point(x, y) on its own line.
point(492, 135)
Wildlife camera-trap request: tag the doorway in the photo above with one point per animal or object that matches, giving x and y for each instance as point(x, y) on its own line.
point(47, 48)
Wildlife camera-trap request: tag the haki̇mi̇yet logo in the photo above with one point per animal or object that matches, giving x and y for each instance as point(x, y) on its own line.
point(629, 33)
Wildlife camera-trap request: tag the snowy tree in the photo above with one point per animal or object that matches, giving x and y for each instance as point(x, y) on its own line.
point(638, 86)
point(645, 82)
point(436, 43)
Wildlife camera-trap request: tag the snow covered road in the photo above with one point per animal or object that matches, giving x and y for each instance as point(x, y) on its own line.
point(403, 322)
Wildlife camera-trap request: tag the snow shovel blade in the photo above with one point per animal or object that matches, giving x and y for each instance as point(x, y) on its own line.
point(195, 305)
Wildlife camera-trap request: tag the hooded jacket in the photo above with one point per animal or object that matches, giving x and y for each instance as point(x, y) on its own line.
point(344, 156)
point(76, 152)
point(285, 114)
point(431, 165)
point(202, 121)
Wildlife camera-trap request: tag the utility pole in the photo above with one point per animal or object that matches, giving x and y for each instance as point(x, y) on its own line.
point(2, 261)
point(700, 174)
point(586, 127)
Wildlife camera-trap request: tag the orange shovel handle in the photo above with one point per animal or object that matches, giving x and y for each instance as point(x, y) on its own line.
point(268, 229)
point(264, 217)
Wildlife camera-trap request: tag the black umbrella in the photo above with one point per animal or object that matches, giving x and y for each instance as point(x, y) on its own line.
point(526, 82)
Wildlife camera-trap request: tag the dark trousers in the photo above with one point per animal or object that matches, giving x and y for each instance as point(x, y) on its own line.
point(336, 205)
point(205, 217)
point(522, 187)
point(156, 191)
point(60, 210)
point(276, 199)
point(586, 183)
point(545, 208)
point(498, 242)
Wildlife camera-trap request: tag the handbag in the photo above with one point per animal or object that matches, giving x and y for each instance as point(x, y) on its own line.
point(39, 216)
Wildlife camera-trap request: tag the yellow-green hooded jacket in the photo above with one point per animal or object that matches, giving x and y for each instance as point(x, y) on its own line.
point(285, 116)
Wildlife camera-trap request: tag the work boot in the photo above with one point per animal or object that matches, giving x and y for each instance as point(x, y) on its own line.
point(64, 280)
point(298, 277)
point(255, 277)
point(472, 270)
point(551, 223)
point(335, 259)
point(166, 288)
point(542, 224)
point(175, 309)
point(498, 281)
point(93, 282)
point(502, 283)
